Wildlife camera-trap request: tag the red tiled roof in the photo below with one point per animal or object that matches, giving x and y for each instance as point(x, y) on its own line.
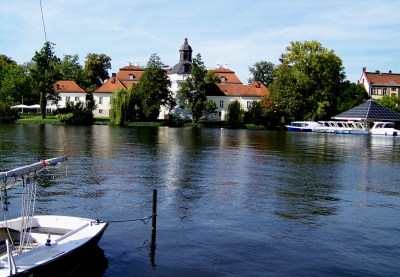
point(230, 76)
point(255, 89)
point(383, 78)
point(122, 79)
point(67, 87)
point(110, 85)
point(124, 73)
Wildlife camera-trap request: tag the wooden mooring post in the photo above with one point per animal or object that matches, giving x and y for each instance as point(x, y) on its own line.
point(153, 231)
point(154, 218)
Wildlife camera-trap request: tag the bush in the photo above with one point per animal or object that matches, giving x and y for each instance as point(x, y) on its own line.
point(75, 114)
point(8, 115)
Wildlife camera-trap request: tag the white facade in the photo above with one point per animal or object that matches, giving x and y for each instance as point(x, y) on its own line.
point(103, 102)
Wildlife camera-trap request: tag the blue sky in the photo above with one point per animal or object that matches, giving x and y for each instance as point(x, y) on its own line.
point(237, 33)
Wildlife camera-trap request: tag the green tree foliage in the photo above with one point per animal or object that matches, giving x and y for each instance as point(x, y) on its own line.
point(264, 71)
point(71, 70)
point(95, 71)
point(235, 112)
point(350, 96)
point(75, 114)
point(192, 93)
point(391, 102)
point(44, 75)
point(153, 89)
point(307, 81)
point(5, 63)
point(272, 114)
point(254, 113)
point(210, 108)
point(8, 115)
point(212, 77)
point(16, 85)
point(124, 106)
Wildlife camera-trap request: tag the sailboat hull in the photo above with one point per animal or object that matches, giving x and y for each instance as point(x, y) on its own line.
point(68, 236)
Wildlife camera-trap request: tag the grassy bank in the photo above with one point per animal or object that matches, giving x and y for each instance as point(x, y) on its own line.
point(36, 118)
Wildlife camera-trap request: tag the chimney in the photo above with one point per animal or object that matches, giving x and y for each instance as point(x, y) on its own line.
point(136, 64)
point(377, 71)
point(128, 63)
point(364, 69)
point(390, 72)
point(217, 66)
point(226, 66)
point(114, 75)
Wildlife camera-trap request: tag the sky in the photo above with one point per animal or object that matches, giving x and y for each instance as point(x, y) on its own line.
point(233, 32)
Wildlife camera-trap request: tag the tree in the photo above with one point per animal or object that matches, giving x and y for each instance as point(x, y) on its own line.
point(95, 71)
point(192, 93)
point(272, 114)
point(235, 112)
point(254, 114)
point(71, 70)
point(124, 105)
point(210, 108)
point(5, 63)
point(391, 102)
point(153, 89)
point(8, 115)
point(212, 77)
point(307, 81)
point(16, 86)
point(44, 75)
point(350, 95)
point(75, 114)
point(263, 71)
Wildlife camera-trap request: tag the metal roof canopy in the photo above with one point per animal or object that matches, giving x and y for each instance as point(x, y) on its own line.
point(369, 111)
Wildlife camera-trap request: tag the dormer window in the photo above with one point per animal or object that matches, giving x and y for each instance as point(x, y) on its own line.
point(223, 79)
point(131, 76)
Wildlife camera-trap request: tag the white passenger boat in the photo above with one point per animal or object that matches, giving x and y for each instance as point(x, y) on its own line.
point(384, 128)
point(302, 126)
point(342, 127)
point(30, 242)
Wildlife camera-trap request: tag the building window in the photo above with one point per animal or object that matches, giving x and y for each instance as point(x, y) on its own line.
point(67, 98)
point(221, 103)
point(100, 100)
point(76, 98)
point(393, 89)
point(248, 104)
point(219, 113)
point(100, 111)
point(384, 91)
point(130, 76)
point(223, 79)
point(373, 91)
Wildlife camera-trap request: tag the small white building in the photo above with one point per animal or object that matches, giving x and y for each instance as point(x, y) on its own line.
point(69, 91)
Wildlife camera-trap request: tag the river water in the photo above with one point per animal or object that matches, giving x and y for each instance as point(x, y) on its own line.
point(230, 202)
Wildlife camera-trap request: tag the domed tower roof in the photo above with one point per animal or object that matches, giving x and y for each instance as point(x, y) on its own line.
point(185, 60)
point(186, 46)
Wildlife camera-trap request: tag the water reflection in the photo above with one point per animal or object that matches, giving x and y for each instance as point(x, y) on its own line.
point(263, 197)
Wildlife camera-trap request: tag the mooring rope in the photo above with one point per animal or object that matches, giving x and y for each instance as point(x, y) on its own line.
point(145, 219)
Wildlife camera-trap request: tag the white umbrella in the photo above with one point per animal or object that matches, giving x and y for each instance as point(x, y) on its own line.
point(20, 106)
point(36, 106)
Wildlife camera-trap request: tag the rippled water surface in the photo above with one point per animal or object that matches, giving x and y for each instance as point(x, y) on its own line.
point(230, 202)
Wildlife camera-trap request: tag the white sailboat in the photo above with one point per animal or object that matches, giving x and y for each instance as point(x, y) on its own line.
point(29, 242)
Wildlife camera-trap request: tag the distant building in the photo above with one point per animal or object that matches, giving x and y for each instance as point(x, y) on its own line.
point(379, 84)
point(69, 91)
point(231, 89)
point(126, 76)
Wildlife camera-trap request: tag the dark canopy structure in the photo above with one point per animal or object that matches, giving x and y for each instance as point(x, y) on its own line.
point(369, 111)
